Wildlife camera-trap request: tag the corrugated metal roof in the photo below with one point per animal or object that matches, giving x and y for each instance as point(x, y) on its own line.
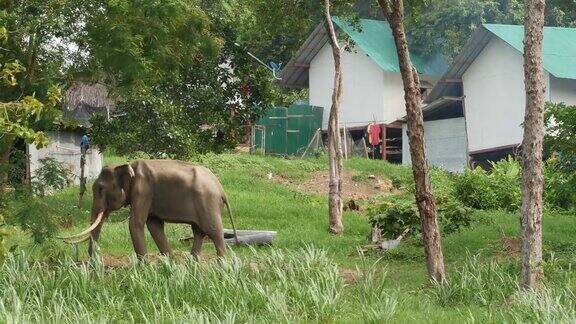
point(374, 38)
point(558, 50)
point(559, 54)
point(295, 73)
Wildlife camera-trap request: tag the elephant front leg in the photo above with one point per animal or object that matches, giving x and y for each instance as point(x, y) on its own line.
point(136, 225)
point(156, 228)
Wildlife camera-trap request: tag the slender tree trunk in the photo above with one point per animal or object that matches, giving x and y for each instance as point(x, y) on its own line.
point(532, 178)
point(334, 149)
point(394, 12)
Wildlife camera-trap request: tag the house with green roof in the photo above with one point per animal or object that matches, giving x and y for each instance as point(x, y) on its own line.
point(477, 107)
point(372, 85)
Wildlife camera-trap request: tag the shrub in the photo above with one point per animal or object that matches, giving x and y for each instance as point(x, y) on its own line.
point(473, 188)
point(41, 217)
point(397, 213)
point(454, 216)
point(394, 215)
point(497, 189)
point(51, 175)
point(558, 186)
point(560, 121)
point(505, 177)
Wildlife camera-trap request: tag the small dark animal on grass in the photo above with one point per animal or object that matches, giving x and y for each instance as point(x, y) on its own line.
point(159, 192)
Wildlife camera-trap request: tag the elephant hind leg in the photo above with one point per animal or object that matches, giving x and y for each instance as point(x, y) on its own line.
point(198, 240)
point(217, 236)
point(156, 228)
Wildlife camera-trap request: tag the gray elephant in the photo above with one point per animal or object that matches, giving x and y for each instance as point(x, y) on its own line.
point(159, 191)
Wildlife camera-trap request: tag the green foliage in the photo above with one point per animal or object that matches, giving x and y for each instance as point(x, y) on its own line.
point(146, 42)
point(42, 216)
point(398, 212)
point(498, 189)
point(560, 136)
point(446, 25)
point(454, 216)
point(559, 186)
point(150, 124)
point(33, 216)
point(51, 175)
point(20, 110)
point(394, 215)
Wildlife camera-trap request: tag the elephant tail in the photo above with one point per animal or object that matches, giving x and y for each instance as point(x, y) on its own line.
point(225, 200)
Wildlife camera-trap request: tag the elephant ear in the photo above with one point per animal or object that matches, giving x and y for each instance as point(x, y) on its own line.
point(124, 176)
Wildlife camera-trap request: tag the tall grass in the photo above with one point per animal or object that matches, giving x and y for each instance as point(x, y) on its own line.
point(279, 286)
point(476, 282)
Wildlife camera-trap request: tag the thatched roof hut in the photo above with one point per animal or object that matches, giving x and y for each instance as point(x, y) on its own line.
point(82, 100)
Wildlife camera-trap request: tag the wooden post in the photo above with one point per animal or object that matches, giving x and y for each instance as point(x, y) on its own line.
point(345, 143)
point(82, 178)
point(383, 148)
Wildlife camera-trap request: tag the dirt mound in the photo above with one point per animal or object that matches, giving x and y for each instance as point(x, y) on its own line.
point(354, 186)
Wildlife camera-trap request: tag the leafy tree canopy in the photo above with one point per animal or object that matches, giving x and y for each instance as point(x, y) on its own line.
point(448, 24)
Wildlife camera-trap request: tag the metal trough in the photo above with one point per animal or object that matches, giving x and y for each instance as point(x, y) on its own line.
point(249, 237)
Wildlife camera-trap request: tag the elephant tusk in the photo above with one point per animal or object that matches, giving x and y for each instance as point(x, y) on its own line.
point(82, 236)
point(76, 241)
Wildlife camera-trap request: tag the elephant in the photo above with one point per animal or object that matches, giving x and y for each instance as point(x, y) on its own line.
point(159, 192)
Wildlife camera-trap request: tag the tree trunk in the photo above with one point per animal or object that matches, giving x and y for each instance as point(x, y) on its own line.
point(532, 178)
point(334, 149)
point(394, 12)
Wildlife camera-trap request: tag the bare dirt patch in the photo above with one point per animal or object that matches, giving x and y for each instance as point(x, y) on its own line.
point(354, 186)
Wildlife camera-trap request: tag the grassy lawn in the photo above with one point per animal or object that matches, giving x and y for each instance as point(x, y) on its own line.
point(308, 275)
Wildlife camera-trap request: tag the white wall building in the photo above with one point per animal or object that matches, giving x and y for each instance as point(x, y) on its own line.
point(372, 84)
point(487, 80)
point(64, 147)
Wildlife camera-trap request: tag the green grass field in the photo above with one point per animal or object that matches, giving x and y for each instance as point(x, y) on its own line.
point(308, 275)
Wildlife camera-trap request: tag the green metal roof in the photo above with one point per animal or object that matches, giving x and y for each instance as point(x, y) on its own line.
point(376, 40)
point(559, 48)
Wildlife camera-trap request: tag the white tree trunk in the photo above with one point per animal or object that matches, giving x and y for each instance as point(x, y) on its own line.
point(334, 149)
point(532, 177)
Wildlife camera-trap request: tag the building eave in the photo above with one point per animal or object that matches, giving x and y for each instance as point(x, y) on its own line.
point(295, 73)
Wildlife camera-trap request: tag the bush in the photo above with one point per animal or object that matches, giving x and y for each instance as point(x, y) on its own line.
point(41, 217)
point(397, 213)
point(560, 121)
point(498, 189)
point(51, 175)
point(454, 216)
point(473, 188)
point(505, 177)
point(394, 215)
point(558, 186)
